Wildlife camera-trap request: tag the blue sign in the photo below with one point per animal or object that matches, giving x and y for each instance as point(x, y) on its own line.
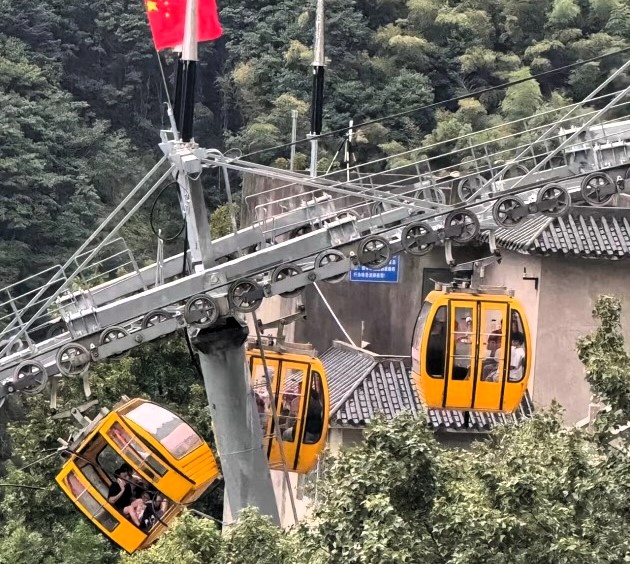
point(388, 274)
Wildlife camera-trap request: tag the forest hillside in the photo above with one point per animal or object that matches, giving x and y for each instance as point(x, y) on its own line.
point(81, 105)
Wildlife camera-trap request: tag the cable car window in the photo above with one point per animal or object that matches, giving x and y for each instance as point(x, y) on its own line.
point(263, 403)
point(87, 500)
point(492, 338)
point(109, 460)
point(463, 336)
point(290, 399)
point(315, 411)
point(137, 453)
point(175, 435)
point(417, 336)
point(436, 347)
point(518, 350)
point(95, 479)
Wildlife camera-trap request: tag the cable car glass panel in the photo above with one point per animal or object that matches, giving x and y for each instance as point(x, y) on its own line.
point(518, 349)
point(173, 433)
point(314, 424)
point(491, 368)
point(461, 354)
point(88, 502)
point(418, 330)
point(261, 393)
point(172, 484)
point(291, 399)
point(95, 479)
point(437, 343)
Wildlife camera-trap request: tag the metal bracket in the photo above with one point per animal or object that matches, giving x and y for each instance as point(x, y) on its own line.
point(280, 324)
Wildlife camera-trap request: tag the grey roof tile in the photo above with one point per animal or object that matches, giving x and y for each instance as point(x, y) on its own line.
point(584, 231)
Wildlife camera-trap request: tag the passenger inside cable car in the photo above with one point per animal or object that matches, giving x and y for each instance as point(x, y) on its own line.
point(463, 358)
point(299, 388)
point(134, 470)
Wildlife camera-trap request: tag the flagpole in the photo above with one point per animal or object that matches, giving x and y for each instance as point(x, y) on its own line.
point(220, 351)
point(178, 91)
point(318, 85)
point(188, 62)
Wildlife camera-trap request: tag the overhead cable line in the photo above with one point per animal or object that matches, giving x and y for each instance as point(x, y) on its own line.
point(472, 94)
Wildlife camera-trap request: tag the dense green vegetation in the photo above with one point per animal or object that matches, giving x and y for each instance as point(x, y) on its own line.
point(82, 94)
point(82, 101)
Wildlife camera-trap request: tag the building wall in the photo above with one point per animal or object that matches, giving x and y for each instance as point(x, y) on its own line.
point(570, 288)
point(384, 314)
point(559, 313)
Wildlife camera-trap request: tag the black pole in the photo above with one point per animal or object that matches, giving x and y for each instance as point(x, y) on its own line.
point(187, 110)
point(317, 100)
point(177, 110)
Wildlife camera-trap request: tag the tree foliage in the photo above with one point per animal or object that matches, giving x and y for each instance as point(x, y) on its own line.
point(82, 100)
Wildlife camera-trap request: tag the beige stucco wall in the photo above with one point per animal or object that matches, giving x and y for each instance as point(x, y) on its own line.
point(559, 313)
point(570, 287)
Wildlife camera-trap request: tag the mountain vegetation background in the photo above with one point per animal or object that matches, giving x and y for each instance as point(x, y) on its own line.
point(81, 105)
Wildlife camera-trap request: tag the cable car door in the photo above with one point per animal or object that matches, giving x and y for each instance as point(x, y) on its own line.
point(261, 394)
point(492, 356)
point(291, 400)
point(167, 480)
point(462, 346)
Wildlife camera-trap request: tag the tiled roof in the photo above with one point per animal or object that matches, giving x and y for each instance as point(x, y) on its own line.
point(584, 231)
point(345, 369)
point(363, 384)
point(522, 237)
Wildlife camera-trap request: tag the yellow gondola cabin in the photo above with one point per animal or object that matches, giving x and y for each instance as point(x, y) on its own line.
point(301, 397)
point(471, 350)
point(139, 450)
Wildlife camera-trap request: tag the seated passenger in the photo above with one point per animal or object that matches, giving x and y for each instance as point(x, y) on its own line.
point(291, 417)
point(517, 357)
point(135, 511)
point(314, 419)
point(120, 491)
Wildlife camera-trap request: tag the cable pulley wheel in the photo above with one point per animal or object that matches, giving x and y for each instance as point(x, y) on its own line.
point(73, 360)
point(514, 171)
point(299, 231)
point(287, 271)
point(431, 194)
point(374, 252)
point(36, 374)
point(56, 330)
point(598, 189)
point(469, 222)
point(155, 317)
point(238, 296)
point(201, 311)
point(468, 186)
point(112, 334)
point(561, 194)
point(502, 211)
point(379, 207)
point(410, 238)
point(327, 257)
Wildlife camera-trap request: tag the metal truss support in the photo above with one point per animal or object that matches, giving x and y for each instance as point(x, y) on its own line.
point(235, 418)
point(194, 208)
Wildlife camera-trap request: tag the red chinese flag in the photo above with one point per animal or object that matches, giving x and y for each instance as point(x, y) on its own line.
point(167, 17)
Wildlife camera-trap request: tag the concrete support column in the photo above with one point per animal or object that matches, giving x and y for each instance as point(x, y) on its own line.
point(235, 419)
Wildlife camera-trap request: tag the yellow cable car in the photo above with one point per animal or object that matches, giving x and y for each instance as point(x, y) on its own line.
point(471, 350)
point(139, 450)
point(300, 393)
